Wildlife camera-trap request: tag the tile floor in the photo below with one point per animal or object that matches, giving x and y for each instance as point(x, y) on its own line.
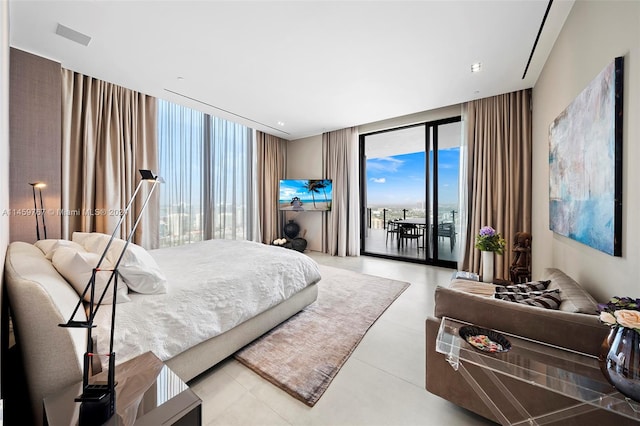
point(382, 383)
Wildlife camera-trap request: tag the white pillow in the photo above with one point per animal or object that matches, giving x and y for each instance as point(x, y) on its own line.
point(45, 246)
point(93, 242)
point(48, 247)
point(76, 266)
point(139, 270)
point(80, 237)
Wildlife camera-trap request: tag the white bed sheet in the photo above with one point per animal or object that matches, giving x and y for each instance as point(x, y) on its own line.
point(213, 286)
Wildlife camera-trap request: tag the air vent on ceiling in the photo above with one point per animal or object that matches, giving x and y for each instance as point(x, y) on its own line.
point(73, 35)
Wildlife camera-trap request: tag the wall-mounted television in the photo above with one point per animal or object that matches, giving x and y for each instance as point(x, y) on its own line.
point(305, 194)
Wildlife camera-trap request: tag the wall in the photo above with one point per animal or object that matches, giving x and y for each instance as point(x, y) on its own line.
point(405, 120)
point(594, 34)
point(4, 152)
point(35, 130)
point(304, 161)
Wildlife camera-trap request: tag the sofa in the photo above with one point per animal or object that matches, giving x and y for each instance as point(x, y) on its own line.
point(574, 325)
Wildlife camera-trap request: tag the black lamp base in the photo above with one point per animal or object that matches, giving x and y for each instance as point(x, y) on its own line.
point(97, 405)
point(98, 399)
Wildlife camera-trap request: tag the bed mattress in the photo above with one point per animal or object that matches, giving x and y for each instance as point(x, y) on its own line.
point(213, 286)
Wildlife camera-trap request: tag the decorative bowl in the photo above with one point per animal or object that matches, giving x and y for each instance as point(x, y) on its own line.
point(485, 340)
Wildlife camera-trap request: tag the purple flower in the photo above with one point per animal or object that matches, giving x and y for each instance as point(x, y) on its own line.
point(487, 231)
point(617, 303)
point(489, 240)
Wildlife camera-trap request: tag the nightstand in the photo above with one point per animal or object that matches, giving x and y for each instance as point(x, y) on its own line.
point(147, 393)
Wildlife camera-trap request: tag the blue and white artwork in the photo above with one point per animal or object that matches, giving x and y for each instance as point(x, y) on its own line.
point(584, 164)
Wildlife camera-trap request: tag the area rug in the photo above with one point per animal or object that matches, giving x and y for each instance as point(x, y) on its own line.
point(303, 354)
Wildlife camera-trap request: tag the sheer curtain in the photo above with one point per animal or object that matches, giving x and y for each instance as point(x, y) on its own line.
point(499, 172)
point(108, 134)
point(208, 164)
point(181, 134)
point(230, 165)
point(340, 152)
point(272, 161)
point(463, 194)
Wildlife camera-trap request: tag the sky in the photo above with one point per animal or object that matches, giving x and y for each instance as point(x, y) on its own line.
point(400, 179)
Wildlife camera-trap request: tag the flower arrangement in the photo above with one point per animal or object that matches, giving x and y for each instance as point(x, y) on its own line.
point(622, 311)
point(489, 240)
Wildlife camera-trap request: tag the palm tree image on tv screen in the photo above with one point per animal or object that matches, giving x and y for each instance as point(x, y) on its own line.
point(305, 194)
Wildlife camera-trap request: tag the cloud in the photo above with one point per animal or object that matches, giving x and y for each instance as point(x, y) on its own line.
point(384, 164)
point(286, 193)
point(378, 180)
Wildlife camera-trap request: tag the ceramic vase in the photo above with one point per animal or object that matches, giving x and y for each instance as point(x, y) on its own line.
point(619, 361)
point(487, 266)
point(291, 229)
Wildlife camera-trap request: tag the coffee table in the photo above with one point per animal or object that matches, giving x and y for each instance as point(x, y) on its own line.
point(572, 374)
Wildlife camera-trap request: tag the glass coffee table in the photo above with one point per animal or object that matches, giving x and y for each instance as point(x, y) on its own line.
point(572, 374)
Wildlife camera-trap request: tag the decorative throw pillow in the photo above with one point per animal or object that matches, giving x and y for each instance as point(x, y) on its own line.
point(519, 296)
point(524, 287)
point(547, 300)
point(76, 266)
point(574, 297)
point(137, 268)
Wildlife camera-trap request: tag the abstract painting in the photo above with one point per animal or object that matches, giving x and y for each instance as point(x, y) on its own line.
point(585, 164)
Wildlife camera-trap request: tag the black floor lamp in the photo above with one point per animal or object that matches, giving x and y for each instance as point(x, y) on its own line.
point(98, 400)
point(39, 212)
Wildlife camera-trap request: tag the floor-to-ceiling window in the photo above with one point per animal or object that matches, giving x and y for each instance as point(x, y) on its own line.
point(410, 187)
point(207, 165)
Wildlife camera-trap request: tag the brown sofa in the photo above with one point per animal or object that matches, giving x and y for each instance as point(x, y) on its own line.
point(574, 325)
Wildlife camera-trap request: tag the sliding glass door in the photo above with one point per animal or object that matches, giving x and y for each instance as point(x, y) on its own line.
point(445, 153)
point(409, 185)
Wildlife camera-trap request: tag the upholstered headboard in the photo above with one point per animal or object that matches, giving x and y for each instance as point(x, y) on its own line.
point(39, 300)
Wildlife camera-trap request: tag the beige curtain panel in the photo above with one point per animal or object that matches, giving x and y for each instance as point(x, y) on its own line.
point(272, 160)
point(498, 173)
point(108, 134)
point(341, 165)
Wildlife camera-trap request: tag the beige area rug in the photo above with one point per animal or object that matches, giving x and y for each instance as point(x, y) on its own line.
point(303, 354)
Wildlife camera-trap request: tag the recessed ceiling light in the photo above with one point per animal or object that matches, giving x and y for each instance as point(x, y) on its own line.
point(476, 67)
point(280, 123)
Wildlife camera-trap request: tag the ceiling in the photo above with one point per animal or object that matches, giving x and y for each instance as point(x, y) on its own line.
point(298, 68)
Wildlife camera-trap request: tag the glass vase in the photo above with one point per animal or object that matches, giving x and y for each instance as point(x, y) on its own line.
point(620, 361)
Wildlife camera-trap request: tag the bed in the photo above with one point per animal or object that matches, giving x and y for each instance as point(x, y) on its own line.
point(218, 296)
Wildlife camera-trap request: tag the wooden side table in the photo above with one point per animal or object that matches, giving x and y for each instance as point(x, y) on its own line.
point(147, 393)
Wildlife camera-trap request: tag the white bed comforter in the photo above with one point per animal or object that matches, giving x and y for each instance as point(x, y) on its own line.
point(212, 287)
